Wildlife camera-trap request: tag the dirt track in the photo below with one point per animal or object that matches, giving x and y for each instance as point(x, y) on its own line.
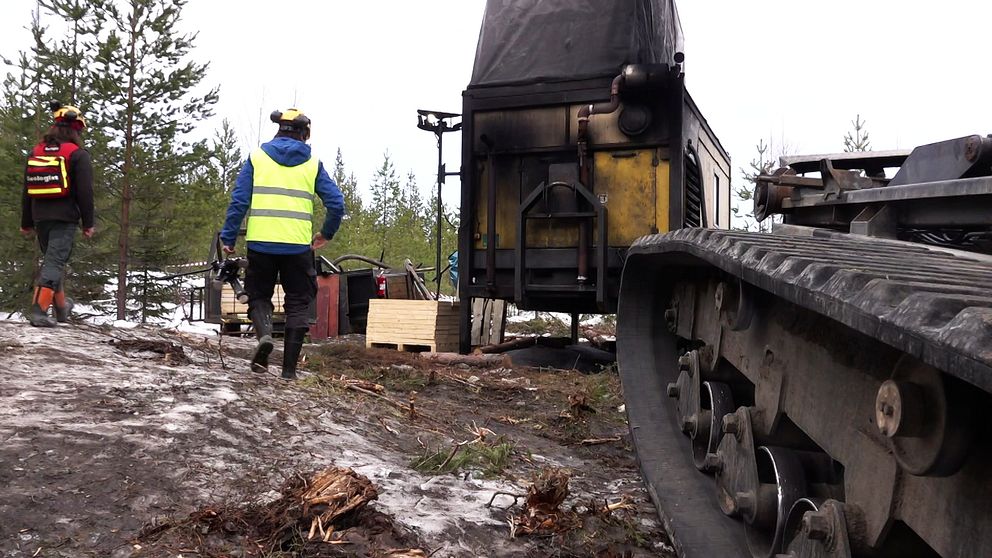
point(103, 438)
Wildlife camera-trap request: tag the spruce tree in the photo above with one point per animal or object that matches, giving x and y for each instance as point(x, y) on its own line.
point(857, 139)
point(351, 237)
point(411, 238)
point(384, 206)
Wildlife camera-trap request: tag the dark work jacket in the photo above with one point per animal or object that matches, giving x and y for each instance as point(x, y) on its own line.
point(76, 207)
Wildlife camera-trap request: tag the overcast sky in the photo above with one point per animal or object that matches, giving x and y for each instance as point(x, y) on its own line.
point(793, 72)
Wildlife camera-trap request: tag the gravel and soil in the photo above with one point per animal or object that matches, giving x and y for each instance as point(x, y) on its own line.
point(143, 442)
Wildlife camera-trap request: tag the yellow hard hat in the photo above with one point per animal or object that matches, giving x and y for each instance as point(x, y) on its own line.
point(66, 115)
point(291, 120)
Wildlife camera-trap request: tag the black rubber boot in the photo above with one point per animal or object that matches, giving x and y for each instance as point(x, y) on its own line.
point(39, 318)
point(262, 321)
point(62, 313)
point(292, 345)
point(38, 313)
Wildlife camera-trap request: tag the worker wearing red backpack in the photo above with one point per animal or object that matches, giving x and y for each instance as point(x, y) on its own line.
point(58, 195)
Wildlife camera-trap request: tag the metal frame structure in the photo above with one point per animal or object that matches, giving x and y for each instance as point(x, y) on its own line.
point(497, 136)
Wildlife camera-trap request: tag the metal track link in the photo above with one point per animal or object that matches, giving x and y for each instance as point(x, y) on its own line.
point(933, 305)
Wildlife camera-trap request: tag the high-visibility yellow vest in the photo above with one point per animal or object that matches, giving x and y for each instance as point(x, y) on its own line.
point(281, 200)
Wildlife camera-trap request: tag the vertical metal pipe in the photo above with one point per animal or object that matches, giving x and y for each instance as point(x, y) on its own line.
point(466, 229)
point(440, 215)
point(584, 229)
point(491, 221)
point(585, 232)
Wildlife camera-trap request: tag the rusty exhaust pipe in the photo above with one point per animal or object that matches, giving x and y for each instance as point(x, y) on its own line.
point(585, 232)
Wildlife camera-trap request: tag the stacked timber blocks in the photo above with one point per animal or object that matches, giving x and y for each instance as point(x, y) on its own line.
point(413, 325)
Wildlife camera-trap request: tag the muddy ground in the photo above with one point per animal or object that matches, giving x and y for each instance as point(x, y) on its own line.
point(147, 443)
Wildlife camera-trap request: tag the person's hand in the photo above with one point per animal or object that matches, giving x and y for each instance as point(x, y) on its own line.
point(228, 250)
point(318, 241)
point(89, 232)
point(27, 231)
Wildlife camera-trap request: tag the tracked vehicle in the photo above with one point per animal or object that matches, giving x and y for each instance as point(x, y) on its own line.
point(820, 391)
point(816, 392)
point(578, 137)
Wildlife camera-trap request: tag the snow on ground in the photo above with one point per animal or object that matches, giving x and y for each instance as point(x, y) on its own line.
point(180, 316)
point(85, 425)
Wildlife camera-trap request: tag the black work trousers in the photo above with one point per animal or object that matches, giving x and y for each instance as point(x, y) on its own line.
point(296, 274)
point(55, 238)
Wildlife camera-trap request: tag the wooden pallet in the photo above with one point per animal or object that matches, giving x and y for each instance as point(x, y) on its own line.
point(408, 347)
point(229, 305)
point(412, 325)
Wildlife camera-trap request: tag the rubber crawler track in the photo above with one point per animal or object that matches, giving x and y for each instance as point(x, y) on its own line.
point(934, 305)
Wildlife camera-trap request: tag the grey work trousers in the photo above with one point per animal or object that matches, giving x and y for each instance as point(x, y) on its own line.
point(55, 239)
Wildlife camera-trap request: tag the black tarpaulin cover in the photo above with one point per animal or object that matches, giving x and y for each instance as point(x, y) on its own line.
point(528, 41)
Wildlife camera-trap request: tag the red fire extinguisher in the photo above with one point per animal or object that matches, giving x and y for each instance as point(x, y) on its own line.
point(380, 283)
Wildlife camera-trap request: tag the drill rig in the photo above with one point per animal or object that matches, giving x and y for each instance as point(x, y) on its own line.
point(811, 393)
point(578, 137)
point(817, 392)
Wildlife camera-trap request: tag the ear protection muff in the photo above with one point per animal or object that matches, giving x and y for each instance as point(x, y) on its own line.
point(291, 120)
point(66, 115)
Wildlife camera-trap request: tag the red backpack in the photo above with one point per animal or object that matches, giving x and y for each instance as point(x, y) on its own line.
point(47, 172)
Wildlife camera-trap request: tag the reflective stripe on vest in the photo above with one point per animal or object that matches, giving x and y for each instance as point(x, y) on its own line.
point(281, 200)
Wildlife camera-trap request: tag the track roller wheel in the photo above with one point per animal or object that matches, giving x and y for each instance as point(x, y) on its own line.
point(735, 466)
point(686, 392)
point(782, 482)
point(716, 401)
point(759, 485)
point(927, 418)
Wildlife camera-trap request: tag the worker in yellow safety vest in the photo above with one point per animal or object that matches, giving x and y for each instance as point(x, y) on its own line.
point(275, 190)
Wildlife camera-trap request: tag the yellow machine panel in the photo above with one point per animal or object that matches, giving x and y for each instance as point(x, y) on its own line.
point(508, 199)
point(633, 185)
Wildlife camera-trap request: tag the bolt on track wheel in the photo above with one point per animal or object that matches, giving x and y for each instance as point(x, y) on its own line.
point(816, 530)
point(793, 534)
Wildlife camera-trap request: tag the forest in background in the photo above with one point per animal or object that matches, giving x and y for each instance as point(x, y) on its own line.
point(161, 188)
point(164, 168)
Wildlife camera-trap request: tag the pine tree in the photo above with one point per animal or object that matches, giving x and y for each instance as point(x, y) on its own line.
point(145, 91)
point(17, 253)
point(227, 156)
